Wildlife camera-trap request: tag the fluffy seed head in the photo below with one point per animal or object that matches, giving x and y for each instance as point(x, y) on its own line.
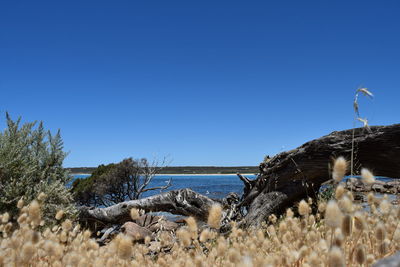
point(20, 203)
point(311, 220)
point(360, 254)
point(346, 205)
point(385, 206)
point(124, 247)
point(135, 214)
point(304, 209)
point(272, 218)
point(233, 255)
point(359, 221)
point(59, 215)
point(339, 169)
point(335, 257)
point(339, 192)
point(338, 238)
point(347, 225)
point(367, 176)
point(67, 225)
point(380, 232)
point(214, 216)
point(184, 237)
point(5, 217)
point(205, 235)
point(289, 213)
point(370, 198)
point(321, 206)
point(191, 222)
point(41, 196)
point(282, 227)
point(28, 250)
point(34, 212)
point(333, 215)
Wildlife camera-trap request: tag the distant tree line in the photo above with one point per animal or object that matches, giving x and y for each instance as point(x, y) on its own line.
point(186, 169)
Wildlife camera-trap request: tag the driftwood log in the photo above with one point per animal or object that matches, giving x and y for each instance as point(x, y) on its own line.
point(283, 180)
point(296, 174)
point(183, 202)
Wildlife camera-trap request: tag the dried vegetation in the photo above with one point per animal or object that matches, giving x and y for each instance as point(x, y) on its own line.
point(337, 233)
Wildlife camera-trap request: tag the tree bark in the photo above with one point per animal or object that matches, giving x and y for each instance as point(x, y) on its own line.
point(182, 202)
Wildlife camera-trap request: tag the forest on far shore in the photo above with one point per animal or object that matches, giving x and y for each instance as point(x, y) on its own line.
point(186, 170)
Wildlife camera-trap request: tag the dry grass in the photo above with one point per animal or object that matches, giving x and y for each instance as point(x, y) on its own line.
point(340, 233)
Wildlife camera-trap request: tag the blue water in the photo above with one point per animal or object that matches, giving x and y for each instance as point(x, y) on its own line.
point(214, 186)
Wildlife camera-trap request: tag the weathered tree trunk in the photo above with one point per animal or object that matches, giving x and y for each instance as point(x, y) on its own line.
point(283, 180)
point(183, 202)
point(296, 174)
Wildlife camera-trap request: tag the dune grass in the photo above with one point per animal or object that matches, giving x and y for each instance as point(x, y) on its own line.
point(335, 233)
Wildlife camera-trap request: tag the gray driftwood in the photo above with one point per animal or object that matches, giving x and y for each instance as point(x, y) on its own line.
point(182, 202)
point(283, 180)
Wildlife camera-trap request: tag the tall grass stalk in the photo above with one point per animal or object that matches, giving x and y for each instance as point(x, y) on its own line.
point(367, 93)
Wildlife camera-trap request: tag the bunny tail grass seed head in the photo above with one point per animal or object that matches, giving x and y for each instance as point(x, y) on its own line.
point(339, 169)
point(333, 215)
point(34, 212)
point(385, 206)
point(214, 216)
point(360, 255)
point(336, 257)
point(135, 214)
point(347, 225)
point(380, 232)
point(367, 176)
point(5, 217)
point(339, 192)
point(20, 203)
point(192, 225)
point(304, 209)
point(359, 221)
point(59, 215)
point(124, 247)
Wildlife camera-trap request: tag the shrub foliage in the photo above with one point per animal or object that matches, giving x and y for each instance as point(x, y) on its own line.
point(31, 161)
point(115, 183)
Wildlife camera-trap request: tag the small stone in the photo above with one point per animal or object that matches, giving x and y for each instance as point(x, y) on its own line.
point(136, 232)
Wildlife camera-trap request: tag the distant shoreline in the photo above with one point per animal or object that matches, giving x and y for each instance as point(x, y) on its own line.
point(185, 170)
point(185, 174)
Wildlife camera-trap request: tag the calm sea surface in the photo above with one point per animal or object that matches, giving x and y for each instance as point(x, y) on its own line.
point(214, 186)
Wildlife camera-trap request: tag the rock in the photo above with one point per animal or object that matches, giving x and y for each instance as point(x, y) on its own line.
point(137, 232)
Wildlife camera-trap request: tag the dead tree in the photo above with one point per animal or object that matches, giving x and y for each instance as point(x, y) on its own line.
point(296, 174)
point(283, 180)
point(183, 202)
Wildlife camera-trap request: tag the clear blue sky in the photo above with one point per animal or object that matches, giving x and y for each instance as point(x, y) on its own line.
point(203, 82)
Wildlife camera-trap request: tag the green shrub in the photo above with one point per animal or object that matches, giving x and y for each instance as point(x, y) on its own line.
point(114, 183)
point(31, 163)
point(85, 189)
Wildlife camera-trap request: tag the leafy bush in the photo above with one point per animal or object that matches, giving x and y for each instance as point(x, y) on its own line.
point(84, 189)
point(31, 163)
